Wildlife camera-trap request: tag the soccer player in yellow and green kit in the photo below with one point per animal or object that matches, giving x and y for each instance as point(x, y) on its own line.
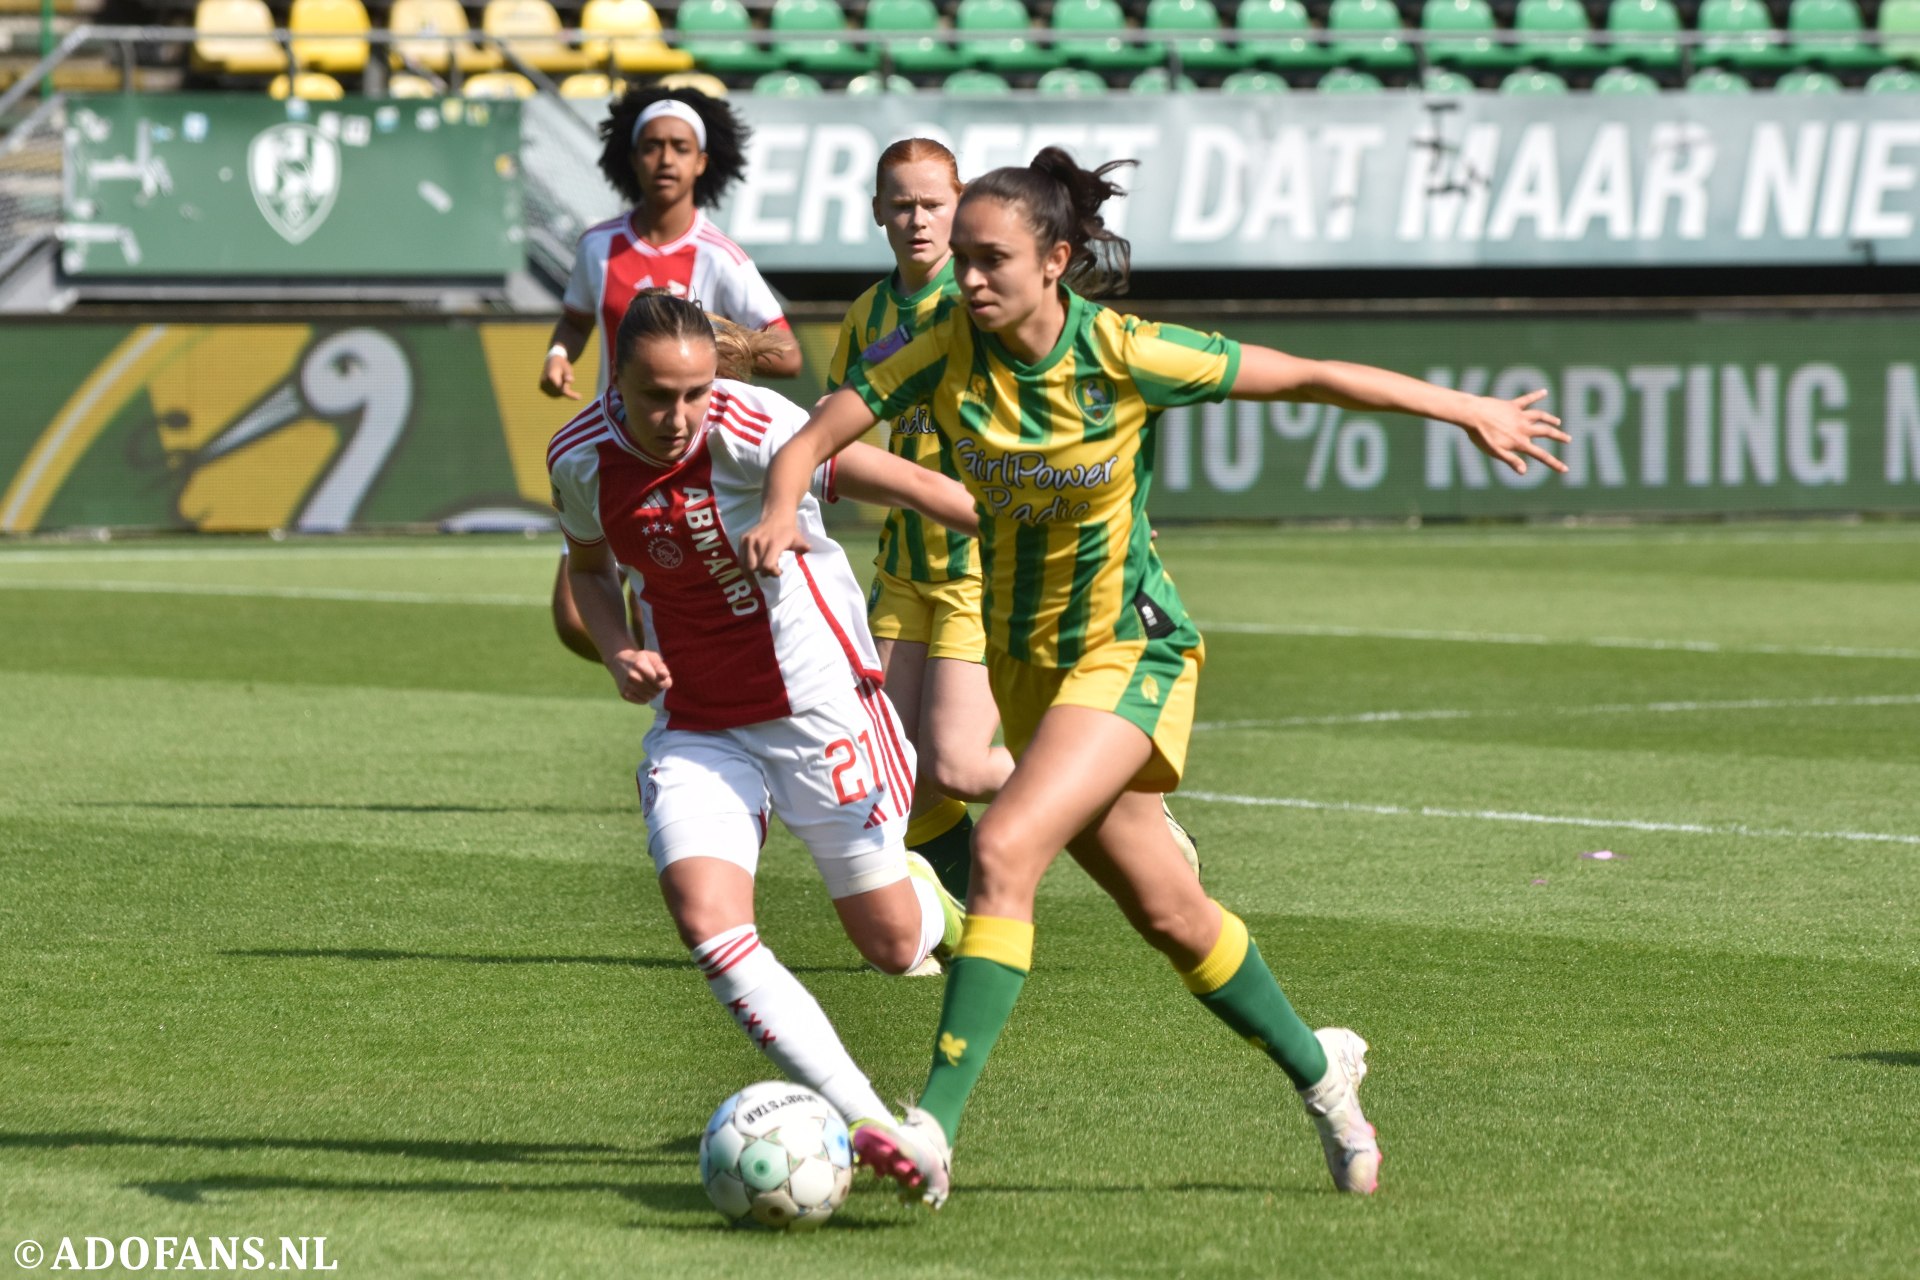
point(1049, 403)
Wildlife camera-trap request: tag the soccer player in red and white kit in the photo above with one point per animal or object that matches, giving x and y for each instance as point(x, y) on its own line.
point(766, 690)
point(673, 153)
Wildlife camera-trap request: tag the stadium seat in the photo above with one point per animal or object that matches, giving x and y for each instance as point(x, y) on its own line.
point(1348, 80)
point(1098, 28)
point(1900, 30)
point(1369, 32)
point(1201, 52)
point(1643, 32)
point(1158, 80)
point(1288, 31)
point(801, 18)
point(498, 84)
point(404, 84)
point(641, 51)
point(1441, 81)
point(244, 55)
point(1625, 80)
point(712, 86)
point(334, 34)
point(915, 48)
point(995, 38)
point(1254, 82)
point(1466, 28)
point(1531, 82)
point(1808, 80)
point(1893, 80)
point(432, 34)
point(975, 84)
point(587, 85)
point(534, 28)
point(1717, 80)
point(787, 84)
point(1071, 82)
point(710, 31)
point(309, 86)
point(1556, 34)
point(871, 84)
point(1829, 32)
point(1737, 33)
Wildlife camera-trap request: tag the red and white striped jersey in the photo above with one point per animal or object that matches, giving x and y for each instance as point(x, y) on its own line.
point(612, 263)
point(742, 649)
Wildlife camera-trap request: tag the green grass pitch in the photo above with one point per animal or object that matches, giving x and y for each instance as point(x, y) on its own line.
point(324, 910)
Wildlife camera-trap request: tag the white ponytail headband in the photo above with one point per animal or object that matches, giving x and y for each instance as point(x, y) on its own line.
point(676, 109)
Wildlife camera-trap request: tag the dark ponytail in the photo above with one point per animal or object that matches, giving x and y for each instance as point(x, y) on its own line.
point(1062, 202)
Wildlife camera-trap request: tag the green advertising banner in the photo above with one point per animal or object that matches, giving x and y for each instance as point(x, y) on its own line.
point(234, 185)
point(324, 428)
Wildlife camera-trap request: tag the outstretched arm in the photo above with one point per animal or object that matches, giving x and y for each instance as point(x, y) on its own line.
point(837, 422)
point(867, 474)
point(1502, 429)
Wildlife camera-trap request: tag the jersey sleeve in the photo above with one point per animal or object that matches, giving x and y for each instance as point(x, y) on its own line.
point(1174, 365)
point(757, 444)
point(905, 378)
point(583, 284)
point(843, 353)
point(748, 299)
point(576, 495)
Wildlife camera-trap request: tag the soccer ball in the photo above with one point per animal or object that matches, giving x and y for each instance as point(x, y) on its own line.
point(776, 1155)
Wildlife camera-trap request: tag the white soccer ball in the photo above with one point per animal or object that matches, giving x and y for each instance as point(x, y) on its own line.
point(776, 1155)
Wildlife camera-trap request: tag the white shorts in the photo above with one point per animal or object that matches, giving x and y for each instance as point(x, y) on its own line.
point(838, 775)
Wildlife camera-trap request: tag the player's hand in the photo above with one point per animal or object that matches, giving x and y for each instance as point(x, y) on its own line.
point(1505, 430)
point(556, 378)
point(767, 541)
point(640, 674)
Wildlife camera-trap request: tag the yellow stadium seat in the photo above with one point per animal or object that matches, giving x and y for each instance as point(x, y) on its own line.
point(498, 84)
point(403, 84)
point(535, 27)
point(587, 84)
point(344, 25)
point(711, 85)
point(313, 86)
point(644, 53)
point(432, 34)
point(245, 55)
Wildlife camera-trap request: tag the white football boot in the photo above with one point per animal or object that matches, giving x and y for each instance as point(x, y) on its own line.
point(1189, 847)
point(914, 1153)
point(1353, 1152)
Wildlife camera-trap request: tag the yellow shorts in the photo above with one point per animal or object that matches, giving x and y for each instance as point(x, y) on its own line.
point(944, 616)
point(1148, 683)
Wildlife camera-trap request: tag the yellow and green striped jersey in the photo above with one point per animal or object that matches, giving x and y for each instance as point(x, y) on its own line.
point(880, 322)
point(1059, 457)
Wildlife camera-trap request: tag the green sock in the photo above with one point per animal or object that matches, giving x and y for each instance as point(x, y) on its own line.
point(983, 981)
point(1238, 988)
point(951, 855)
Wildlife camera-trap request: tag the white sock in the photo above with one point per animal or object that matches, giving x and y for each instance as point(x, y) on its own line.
point(784, 1021)
point(933, 921)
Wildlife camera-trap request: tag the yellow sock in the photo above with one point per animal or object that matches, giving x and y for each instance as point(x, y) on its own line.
point(935, 822)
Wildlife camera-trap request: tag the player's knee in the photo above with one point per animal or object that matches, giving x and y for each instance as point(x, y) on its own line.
point(697, 924)
point(952, 774)
point(1003, 874)
point(891, 954)
point(1172, 928)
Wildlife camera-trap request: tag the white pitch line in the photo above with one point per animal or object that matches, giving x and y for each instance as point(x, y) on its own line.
point(275, 593)
point(1549, 819)
point(1599, 709)
point(1574, 539)
point(1524, 638)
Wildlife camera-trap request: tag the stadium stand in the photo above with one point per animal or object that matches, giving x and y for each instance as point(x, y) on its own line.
point(329, 35)
point(633, 40)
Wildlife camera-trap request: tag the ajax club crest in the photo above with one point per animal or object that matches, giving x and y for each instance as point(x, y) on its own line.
point(294, 171)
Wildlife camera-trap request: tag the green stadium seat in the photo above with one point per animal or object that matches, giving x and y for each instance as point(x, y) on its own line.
point(1158, 80)
point(1201, 46)
point(1071, 82)
point(1251, 81)
point(1288, 42)
point(997, 37)
point(1893, 80)
point(1370, 33)
point(1469, 28)
point(1442, 82)
point(710, 31)
point(975, 84)
point(1737, 33)
point(816, 56)
point(1625, 80)
point(1829, 32)
point(1717, 80)
point(1556, 33)
point(871, 84)
point(1098, 27)
point(1350, 80)
point(1531, 82)
point(921, 52)
point(1900, 30)
point(787, 84)
point(1808, 80)
point(1643, 32)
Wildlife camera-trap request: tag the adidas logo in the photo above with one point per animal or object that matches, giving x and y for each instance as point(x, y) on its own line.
point(874, 819)
point(656, 498)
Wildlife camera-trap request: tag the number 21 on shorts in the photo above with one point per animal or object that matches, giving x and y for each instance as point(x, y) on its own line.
point(844, 759)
